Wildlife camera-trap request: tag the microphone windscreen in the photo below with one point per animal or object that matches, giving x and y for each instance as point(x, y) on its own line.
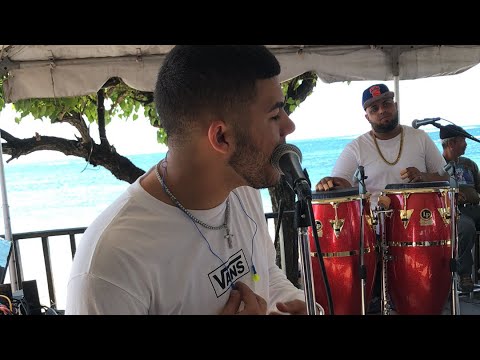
point(280, 151)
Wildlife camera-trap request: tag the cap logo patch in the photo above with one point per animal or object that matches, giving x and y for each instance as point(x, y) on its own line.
point(375, 91)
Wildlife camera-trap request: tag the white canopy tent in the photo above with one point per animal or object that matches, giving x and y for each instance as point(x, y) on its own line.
point(49, 71)
point(45, 71)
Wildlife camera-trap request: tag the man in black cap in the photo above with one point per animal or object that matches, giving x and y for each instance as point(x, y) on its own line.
point(466, 173)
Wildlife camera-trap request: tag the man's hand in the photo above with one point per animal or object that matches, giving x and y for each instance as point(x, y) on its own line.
point(329, 182)
point(294, 307)
point(413, 175)
point(253, 304)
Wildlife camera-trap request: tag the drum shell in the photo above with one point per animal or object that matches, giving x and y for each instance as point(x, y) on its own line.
point(419, 247)
point(341, 253)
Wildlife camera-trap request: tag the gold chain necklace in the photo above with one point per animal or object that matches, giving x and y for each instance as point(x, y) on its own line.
point(399, 150)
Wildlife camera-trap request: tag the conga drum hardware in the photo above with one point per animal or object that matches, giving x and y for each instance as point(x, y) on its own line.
point(445, 214)
point(372, 219)
point(337, 224)
point(445, 211)
point(385, 256)
point(319, 227)
point(405, 216)
point(386, 300)
point(341, 253)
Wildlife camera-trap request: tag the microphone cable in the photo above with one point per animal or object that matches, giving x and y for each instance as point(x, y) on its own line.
point(320, 257)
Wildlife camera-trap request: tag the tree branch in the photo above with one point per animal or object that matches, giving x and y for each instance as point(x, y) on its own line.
point(303, 90)
point(7, 136)
point(18, 147)
point(148, 97)
point(121, 167)
point(76, 120)
point(101, 118)
point(114, 81)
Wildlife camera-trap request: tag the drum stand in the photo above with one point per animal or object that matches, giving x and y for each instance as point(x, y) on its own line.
point(450, 169)
point(303, 216)
point(360, 176)
point(385, 298)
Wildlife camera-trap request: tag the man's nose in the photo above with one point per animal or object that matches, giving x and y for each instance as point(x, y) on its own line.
point(289, 127)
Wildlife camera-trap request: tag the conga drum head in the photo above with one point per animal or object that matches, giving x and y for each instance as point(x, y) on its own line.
point(419, 185)
point(339, 193)
point(338, 226)
point(418, 238)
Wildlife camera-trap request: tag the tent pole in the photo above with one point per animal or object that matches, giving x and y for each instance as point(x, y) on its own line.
point(396, 86)
point(8, 229)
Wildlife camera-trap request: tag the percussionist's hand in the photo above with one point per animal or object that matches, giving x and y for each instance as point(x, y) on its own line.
point(253, 304)
point(412, 174)
point(384, 202)
point(294, 307)
point(329, 182)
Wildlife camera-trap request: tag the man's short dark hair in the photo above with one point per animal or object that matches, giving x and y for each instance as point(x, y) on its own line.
point(197, 79)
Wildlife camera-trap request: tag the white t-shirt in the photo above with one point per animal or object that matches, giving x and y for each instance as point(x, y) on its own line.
point(142, 256)
point(418, 151)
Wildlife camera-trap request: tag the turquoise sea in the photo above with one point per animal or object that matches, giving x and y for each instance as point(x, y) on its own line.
point(46, 195)
point(68, 193)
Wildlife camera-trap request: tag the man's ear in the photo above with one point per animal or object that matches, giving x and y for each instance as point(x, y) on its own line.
point(219, 136)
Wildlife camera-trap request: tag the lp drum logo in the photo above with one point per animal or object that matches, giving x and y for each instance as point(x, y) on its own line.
point(426, 217)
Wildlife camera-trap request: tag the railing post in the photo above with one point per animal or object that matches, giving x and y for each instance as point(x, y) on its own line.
point(73, 245)
point(48, 268)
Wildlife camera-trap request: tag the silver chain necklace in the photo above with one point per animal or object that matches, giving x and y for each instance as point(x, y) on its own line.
point(227, 235)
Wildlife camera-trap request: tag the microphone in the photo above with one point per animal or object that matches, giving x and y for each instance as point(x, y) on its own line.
point(286, 158)
point(359, 174)
point(417, 123)
point(360, 177)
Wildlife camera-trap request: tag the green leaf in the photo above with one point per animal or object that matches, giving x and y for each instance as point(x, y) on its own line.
point(161, 136)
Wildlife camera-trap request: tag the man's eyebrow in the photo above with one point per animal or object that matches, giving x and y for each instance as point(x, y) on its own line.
point(277, 105)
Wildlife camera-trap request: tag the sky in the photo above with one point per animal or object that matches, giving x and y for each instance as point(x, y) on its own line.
point(336, 109)
point(331, 110)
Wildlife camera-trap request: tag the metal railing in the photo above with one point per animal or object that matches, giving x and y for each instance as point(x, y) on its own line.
point(45, 236)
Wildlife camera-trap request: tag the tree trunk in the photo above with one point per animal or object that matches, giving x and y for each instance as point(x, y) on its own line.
point(283, 193)
point(297, 89)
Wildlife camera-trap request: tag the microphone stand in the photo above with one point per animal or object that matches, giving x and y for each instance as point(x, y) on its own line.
point(450, 169)
point(360, 176)
point(302, 222)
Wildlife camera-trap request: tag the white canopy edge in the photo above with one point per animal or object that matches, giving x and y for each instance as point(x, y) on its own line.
point(48, 71)
point(79, 77)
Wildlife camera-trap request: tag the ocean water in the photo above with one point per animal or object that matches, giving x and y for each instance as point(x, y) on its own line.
point(46, 195)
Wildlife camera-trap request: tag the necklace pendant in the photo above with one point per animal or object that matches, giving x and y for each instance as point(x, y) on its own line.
point(228, 236)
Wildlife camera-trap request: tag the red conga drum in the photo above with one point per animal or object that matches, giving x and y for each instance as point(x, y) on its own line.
point(337, 219)
point(418, 238)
